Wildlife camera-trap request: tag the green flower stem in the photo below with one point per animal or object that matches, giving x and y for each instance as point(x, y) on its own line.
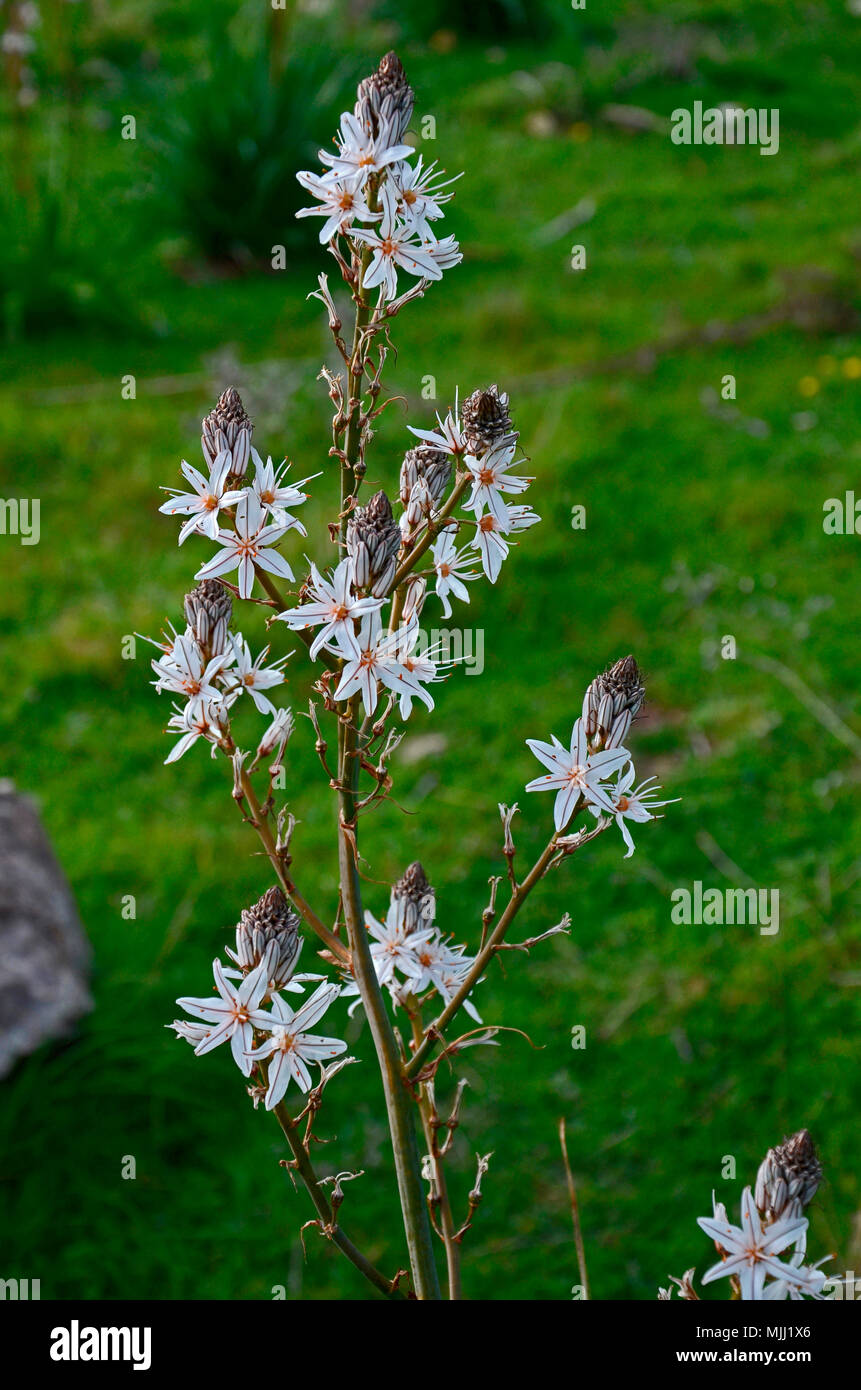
point(449, 1234)
point(397, 1097)
point(323, 1207)
point(399, 1106)
point(307, 914)
point(430, 533)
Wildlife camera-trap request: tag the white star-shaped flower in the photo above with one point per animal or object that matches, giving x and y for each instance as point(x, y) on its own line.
point(253, 676)
point(202, 505)
point(490, 536)
point(444, 251)
point(184, 671)
point(198, 719)
point(448, 436)
point(394, 948)
point(444, 968)
point(235, 1013)
point(409, 668)
point(394, 244)
point(490, 478)
point(452, 569)
point(420, 193)
point(375, 662)
point(573, 773)
point(275, 495)
point(334, 610)
point(752, 1250)
point(291, 1046)
point(341, 201)
point(632, 803)
point(450, 981)
point(359, 152)
point(249, 545)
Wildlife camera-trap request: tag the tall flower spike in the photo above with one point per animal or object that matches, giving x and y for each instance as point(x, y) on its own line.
point(228, 427)
point(611, 703)
point(271, 919)
point(373, 541)
point(384, 101)
point(208, 610)
point(485, 419)
point(415, 893)
point(788, 1178)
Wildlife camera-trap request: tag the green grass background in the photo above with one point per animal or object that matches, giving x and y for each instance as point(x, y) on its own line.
point(702, 1041)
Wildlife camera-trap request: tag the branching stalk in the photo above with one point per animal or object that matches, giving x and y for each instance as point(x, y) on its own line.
point(519, 895)
point(447, 1225)
point(328, 1223)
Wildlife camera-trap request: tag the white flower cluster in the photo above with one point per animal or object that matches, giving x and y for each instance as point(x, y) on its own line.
point(261, 517)
point(236, 1015)
point(486, 461)
point(372, 196)
point(212, 677)
point(351, 628)
point(207, 664)
point(750, 1252)
point(347, 604)
point(604, 780)
point(411, 955)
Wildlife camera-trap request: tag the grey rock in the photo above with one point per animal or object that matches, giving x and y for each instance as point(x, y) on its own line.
point(44, 954)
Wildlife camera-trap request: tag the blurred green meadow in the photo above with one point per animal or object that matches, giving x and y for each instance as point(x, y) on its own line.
point(149, 258)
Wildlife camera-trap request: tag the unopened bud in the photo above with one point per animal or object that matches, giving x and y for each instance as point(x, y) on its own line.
point(416, 897)
point(208, 610)
point(373, 541)
point(384, 101)
point(414, 599)
point(271, 926)
point(419, 506)
point(427, 463)
point(228, 427)
point(788, 1178)
point(611, 703)
point(485, 420)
